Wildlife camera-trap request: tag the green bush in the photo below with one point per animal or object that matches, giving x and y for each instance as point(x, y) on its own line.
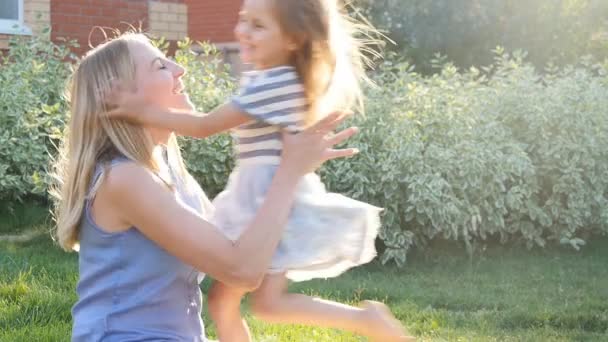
point(33, 76)
point(468, 155)
point(209, 84)
point(463, 155)
point(32, 83)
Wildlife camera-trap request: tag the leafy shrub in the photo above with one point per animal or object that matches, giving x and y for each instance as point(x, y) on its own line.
point(32, 83)
point(33, 76)
point(472, 154)
point(209, 84)
point(500, 151)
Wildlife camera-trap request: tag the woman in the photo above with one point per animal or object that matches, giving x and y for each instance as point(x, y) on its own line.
point(138, 218)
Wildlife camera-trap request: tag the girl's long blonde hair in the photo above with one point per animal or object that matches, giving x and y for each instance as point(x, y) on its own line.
point(329, 55)
point(91, 139)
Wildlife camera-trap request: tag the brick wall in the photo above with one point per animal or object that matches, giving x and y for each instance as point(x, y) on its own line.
point(169, 20)
point(212, 20)
point(76, 19)
point(3, 41)
point(36, 16)
point(204, 20)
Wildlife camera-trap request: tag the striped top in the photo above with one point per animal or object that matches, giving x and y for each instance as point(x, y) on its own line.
point(276, 101)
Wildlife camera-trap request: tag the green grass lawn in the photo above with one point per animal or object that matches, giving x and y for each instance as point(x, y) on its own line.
point(502, 294)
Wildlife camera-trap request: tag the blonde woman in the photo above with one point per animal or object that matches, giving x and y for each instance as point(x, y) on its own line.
point(139, 220)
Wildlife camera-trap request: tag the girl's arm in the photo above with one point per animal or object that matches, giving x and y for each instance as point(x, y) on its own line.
point(193, 124)
point(183, 119)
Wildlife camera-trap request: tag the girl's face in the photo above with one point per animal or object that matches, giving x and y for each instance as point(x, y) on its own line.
point(159, 80)
point(262, 43)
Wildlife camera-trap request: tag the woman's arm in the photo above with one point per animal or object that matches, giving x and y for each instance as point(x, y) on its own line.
point(143, 201)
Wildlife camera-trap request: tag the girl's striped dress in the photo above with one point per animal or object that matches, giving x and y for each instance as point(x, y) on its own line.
point(327, 233)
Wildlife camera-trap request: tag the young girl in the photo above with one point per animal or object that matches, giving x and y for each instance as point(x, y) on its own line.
point(305, 60)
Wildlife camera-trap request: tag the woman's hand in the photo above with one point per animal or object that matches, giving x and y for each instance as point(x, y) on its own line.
point(304, 152)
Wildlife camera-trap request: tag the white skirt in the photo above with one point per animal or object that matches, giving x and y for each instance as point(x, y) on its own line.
point(326, 233)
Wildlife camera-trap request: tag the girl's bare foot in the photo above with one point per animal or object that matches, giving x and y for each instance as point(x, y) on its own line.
point(383, 326)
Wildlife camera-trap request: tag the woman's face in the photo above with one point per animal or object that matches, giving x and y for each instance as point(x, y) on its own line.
point(159, 80)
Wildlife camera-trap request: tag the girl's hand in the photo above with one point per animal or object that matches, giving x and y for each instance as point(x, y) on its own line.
point(125, 103)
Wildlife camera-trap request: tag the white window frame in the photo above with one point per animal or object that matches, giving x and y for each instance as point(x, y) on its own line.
point(15, 26)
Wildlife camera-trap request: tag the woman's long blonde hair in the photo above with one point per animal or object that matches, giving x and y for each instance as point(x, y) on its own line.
point(329, 55)
point(91, 139)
